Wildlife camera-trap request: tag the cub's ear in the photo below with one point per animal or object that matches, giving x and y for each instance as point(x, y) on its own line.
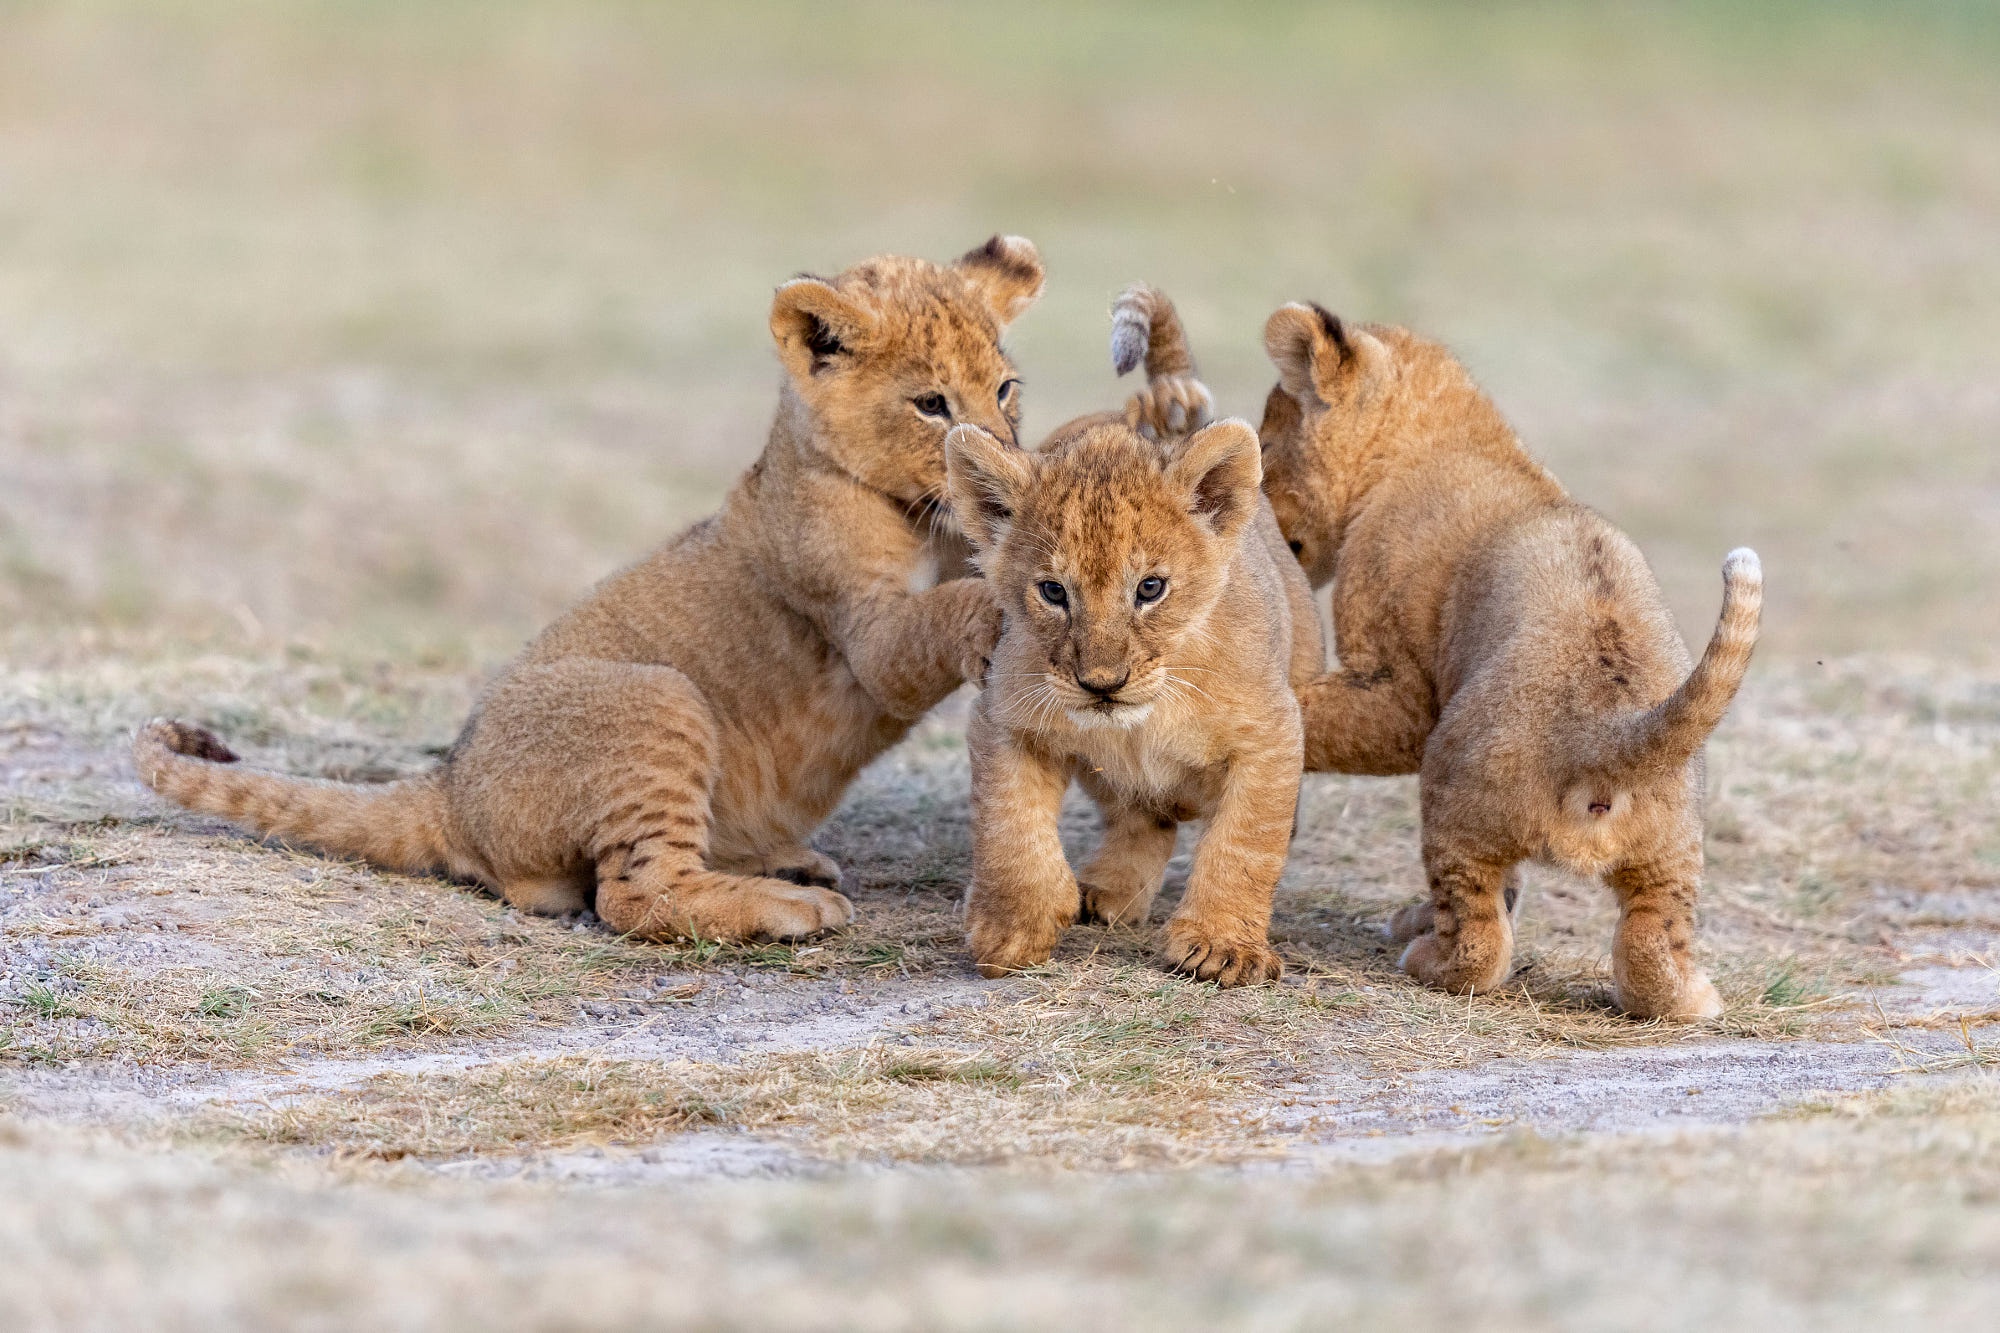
point(984, 480)
point(1282, 417)
point(1007, 274)
point(1219, 470)
point(1315, 353)
point(815, 326)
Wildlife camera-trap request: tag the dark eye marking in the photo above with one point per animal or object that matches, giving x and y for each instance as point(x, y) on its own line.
point(932, 405)
point(1297, 547)
point(1151, 589)
point(1053, 593)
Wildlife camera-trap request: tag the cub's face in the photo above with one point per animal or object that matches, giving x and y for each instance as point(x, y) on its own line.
point(1107, 552)
point(891, 354)
point(1335, 383)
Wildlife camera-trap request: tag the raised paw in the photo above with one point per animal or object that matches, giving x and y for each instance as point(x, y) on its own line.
point(1169, 406)
point(1226, 958)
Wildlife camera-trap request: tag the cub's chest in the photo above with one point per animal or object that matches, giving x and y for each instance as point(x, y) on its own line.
point(1152, 764)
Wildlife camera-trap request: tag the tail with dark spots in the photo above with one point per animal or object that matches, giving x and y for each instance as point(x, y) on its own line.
point(1666, 736)
point(396, 825)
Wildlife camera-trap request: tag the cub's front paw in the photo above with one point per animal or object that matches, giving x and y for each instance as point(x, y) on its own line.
point(1004, 942)
point(1227, 957)
point(982, 634)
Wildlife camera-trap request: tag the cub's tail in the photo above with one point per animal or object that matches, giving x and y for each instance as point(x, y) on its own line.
point(1146, 327)
point(396, 825)
point(1666, 736)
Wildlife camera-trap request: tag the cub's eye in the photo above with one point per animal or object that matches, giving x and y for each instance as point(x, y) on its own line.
point(1009, 392)
point(1151, 589)
point(1053, 593)
point(1297, 547)
point(932, 405)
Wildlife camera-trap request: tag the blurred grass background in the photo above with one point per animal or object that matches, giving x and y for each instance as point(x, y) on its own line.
point(387, 327)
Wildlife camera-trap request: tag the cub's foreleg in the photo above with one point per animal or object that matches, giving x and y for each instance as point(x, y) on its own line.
point(1221, 931)
point(1468, 945)
point(910, 650)
point(1023, 895)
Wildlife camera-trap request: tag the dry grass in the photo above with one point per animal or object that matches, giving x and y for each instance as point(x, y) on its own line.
point(1103, 1067)
point(1870, 1213)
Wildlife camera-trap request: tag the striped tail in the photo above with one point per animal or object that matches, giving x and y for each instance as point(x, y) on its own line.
point(396, 825)
point(1146, 327)
point(1667, 735)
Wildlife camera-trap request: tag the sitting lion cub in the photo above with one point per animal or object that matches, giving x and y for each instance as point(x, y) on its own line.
point(667, 747)
point(1507, 642)
point(1149, 653)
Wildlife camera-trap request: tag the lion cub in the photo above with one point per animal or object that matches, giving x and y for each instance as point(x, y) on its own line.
point(1503, 640)
point(1148, 653)
point(667, 747)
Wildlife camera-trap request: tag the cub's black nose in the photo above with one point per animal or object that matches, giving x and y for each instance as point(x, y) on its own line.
point(1102, 683)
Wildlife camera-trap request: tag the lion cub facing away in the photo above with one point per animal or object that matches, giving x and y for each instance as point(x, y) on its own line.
point(1148, 654)
point(1505, 641)
point(671, 742)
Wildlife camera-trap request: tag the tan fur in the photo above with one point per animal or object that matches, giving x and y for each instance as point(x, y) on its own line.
point(1175, 709)
point(673, 740)
point(1506, 642)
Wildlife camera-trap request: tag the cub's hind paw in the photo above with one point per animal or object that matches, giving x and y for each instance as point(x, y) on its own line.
point(1225, 959)
point(1696, 999)
point(1112, 907)
point(794, 912)
point(1410, 922)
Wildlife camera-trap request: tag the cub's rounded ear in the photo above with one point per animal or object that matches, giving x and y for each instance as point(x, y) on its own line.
point(1007, 274)
point(984, 481)
point(1306, 343)
point(1282, 417)
point(1220, 469)
point(815, 326)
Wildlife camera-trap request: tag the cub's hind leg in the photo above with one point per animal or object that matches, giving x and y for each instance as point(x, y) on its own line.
point(580, 763)
point(1652, 956)
point(1416, 919)
point(1124, 874)
point(1469, 944)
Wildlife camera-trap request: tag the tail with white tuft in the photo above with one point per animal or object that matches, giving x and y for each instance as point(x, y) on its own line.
point(1667, 735)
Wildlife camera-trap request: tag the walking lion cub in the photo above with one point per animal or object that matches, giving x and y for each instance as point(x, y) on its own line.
point(1155, 629)
point(669, 744)
point(1505, 641)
